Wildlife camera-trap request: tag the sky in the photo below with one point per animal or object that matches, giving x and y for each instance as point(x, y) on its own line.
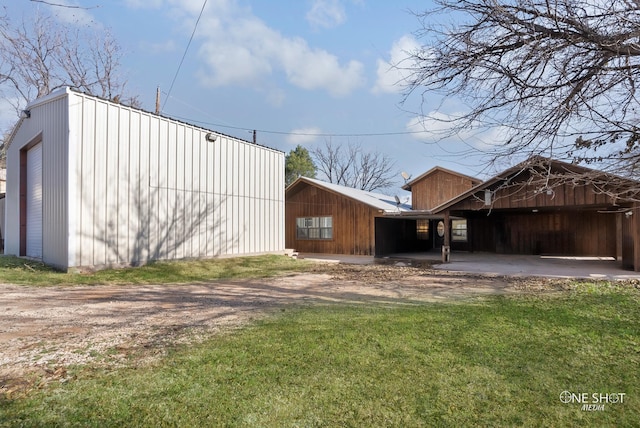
point(296, 71)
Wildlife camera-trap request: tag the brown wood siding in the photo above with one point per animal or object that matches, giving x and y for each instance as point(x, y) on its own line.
point(576, 233)
point(353, 222)
point(627, 242)
point(631, 239)
point(438, 188)
point(521, 197)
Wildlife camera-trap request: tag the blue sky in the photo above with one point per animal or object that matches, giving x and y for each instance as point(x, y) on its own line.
point(289, 69)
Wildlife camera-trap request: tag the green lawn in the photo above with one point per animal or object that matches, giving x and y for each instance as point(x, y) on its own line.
point(498, 361)
point(14, 270)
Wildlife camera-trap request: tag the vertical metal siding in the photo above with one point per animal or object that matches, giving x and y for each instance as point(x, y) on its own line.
point(55, 171)
point(85, 193)
point(143, 187)
point(135, 239)
point(142, 226)
point(180, 192)
point(98, 214)
point(48, 118)
point(123, 203)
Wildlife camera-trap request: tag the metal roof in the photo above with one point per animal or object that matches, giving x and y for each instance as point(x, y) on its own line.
point(376, 200)
point(64, 91)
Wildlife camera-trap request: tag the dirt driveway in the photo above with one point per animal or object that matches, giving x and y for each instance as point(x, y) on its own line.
point(45, 330)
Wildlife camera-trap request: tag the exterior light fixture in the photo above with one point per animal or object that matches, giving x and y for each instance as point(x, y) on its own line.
point(487, 197)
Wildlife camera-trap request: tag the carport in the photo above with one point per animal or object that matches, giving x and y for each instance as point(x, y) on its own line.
point(550, 208)
point(419, 231)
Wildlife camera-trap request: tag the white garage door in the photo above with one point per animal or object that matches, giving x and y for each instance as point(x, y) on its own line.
point(34, 201)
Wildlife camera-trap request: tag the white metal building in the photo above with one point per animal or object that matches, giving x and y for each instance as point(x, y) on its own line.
point(94, 183)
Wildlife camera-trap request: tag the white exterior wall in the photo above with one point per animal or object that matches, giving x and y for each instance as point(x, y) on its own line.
point(123, 186)
point(48, 123)
point(144, 187)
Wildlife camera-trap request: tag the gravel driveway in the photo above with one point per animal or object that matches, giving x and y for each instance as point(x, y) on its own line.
point(44, 330)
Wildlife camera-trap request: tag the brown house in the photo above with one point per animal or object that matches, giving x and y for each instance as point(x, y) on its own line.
point(429, 190)
point(328, 218)
point(540, 206)
point(552, 208)
point(437, 186)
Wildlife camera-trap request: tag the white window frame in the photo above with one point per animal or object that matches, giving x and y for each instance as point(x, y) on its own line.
point(314, 228)
point(459, 230)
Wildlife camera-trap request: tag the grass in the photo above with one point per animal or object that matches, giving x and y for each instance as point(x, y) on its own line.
point(498, 361)
point(14, 270)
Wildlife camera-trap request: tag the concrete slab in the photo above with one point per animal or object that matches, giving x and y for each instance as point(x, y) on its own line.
point(500, 264)
point(540, 266)
point(337, 258)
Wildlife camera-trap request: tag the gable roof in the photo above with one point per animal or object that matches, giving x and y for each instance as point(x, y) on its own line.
point(407, 186)
point(67, 90)
point(524, 166)
point(375, 200)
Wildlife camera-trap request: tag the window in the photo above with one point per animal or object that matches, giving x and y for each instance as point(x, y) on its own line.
point(314, 228)
point(422, 229)
point(459, 230)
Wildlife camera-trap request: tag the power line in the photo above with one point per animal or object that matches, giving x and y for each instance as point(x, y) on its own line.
point(305, 134)
point(64, 5)
point(265, 131)
point(185, 54)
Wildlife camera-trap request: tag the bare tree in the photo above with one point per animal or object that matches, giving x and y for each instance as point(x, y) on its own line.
point(350, 165)
point(560, 77)
point(40, 55)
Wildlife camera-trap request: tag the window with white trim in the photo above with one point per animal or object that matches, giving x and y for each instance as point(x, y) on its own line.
point(459, 230)
point(314, 228)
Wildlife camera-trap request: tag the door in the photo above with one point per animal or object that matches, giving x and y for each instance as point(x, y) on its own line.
point(438, 235)
point(34, 202)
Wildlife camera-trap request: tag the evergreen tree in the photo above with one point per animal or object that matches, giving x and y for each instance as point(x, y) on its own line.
point(298, 163)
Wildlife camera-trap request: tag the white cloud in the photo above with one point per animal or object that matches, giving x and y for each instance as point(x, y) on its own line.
point(144, 4)
point(160, 47)
point(303, 136)
point(326, 13)
point(240, 49)
point(437, 126)
point(393, 73)
point(275, 96)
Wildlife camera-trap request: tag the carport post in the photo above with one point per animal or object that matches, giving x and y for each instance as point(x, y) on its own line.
point(446, 248)
point(635, 230)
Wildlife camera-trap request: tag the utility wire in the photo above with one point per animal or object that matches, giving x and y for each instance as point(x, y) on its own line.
point(306, 134)
point(64, 5)
point(185, 54)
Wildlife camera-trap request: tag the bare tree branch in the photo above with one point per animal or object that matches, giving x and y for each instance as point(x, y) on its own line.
point(351, 166)
point(560, 77)
point(40, 55)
